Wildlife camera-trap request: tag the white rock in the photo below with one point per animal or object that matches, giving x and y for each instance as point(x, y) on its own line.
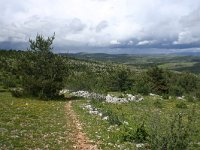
point(105, 118)
point(100, 114)
point(140, 145)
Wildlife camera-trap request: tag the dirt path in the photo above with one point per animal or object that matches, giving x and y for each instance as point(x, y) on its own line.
point(81, 140)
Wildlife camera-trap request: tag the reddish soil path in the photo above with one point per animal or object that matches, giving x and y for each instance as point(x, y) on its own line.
point(80, 139)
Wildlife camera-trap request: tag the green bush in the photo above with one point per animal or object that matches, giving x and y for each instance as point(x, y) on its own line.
point(175, 90)
point(158, 104)
point(17, 92)
point(181, 105)
point(7, 83)
point(3, 90)
point(141, 134)
point(171, 135)
point(165, 96)
point(129, 134)
point(197, 94)
point(190, 98)
point(113, 119)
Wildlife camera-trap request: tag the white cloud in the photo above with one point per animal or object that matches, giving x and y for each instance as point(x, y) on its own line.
point(146, 42)
point(115, 42)
point(130, 42)
point(186, 37)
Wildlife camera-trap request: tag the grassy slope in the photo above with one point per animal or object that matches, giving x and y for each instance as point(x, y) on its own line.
point(171, 62)
point(135, 114)
point(32, 124)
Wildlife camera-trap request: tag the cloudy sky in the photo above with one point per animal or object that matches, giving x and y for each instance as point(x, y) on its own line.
point(102, 25)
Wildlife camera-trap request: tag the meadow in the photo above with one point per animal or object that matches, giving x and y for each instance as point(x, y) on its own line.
point(148, 122)
point(27, 123)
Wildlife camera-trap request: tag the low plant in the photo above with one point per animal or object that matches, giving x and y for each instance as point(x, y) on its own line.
point(175, 135)
point(181, 105)
point(190, 98)
point(165, 96)
point(158, 104)
point(127, 134)
point(113, 119)
point(141, 134)
point(138, 135)
point(17, 92)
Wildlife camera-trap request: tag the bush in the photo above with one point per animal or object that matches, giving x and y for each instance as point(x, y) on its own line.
point(141, 85)
point(158, 104)
point(165, 96)
point(190, 98)
point(7, 83)
point(128, 134)
point(17, 92)
point(176, 90)
point(141, 134)
point(172, 135)
point(3, 90)
point(181, 105)
point(113, 119)
point(197, 94)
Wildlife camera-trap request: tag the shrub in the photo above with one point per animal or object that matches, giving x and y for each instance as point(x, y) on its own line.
point(181, 105)
point(158, 104)
point(7, 83)
point(141, 85)
point(17, 92)
point(190, 98)
point(175, 90)
point(141, 134)
point(197, 94)
point(172, 135)
point(3, 90)
point(113, 119)
point(165, 96)
point(129, 134)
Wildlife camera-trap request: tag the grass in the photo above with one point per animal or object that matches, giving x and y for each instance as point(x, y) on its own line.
point(36, 124)
point(177, 65)
point(33, 124)
point(147, 112)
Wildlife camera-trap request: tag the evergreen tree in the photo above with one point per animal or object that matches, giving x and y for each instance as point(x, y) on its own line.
point(42, 71)
point(158, 80)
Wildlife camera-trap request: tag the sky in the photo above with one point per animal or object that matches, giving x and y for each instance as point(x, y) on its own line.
point(113, 26)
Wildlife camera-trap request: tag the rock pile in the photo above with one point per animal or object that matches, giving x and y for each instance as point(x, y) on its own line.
point(109, 98)
point(129, 98)
point(86, 94)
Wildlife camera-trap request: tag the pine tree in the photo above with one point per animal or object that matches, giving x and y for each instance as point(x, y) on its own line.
point(41, 70)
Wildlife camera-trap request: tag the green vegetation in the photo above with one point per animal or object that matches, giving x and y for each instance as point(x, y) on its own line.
point(167, 118)
point(98, 77)
point(167, 127)
point(33, 124)
point(42, 72)
point(170, 62)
